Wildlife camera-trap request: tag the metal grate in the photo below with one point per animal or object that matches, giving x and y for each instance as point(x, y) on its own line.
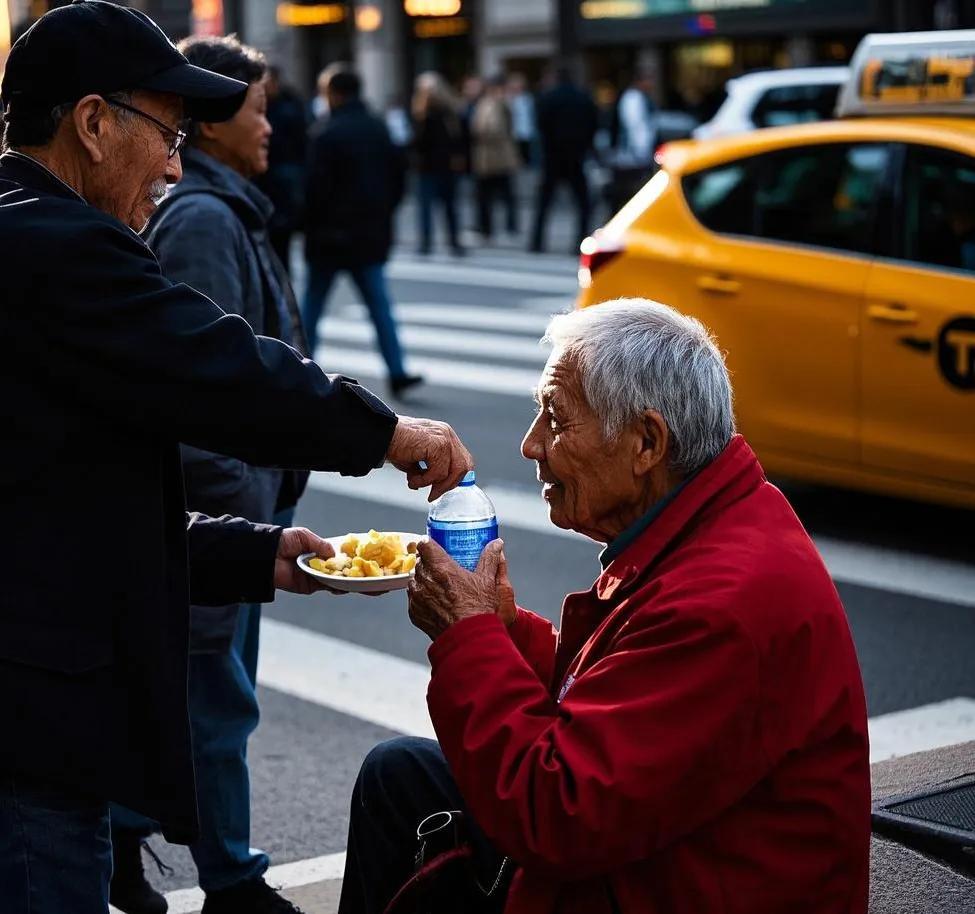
point(954, 808)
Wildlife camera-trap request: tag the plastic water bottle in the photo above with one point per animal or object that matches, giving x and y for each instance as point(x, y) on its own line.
point(463, 522)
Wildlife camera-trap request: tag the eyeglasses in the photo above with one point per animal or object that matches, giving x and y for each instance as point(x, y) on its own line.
point(175, 138)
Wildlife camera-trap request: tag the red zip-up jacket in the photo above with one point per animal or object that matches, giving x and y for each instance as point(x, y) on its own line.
point(693, 739)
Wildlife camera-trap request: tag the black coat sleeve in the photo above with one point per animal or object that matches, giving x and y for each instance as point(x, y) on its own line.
point(164, 360)
point(231, 560)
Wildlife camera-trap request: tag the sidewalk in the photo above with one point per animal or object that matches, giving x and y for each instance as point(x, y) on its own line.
point(902, 880)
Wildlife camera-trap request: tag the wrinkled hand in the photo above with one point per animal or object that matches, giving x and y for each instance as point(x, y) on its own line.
point(437, 445)
point(288, 576)
point(442, 593)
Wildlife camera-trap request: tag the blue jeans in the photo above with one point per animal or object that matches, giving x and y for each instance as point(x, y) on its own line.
point(371, 282)
point(223, 714)
point(55, 850)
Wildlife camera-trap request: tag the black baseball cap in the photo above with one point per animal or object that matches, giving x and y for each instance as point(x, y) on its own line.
point(94, 47)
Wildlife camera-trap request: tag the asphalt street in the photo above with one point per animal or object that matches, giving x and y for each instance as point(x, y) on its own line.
point(906, 572)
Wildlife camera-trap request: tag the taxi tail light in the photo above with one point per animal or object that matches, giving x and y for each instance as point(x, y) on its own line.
point(659, 153)
point(594, 254)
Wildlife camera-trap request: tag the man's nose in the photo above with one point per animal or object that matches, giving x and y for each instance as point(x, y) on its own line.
point(174, 170)
point(531, 446)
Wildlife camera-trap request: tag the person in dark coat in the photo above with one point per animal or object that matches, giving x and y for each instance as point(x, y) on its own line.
point(212, 232)
point(439, 154)
point(355, 182)
point(567, 123)
point(284, 180)
point(115, 365)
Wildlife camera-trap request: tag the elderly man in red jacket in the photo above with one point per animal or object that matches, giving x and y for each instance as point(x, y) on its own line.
point(694, 737)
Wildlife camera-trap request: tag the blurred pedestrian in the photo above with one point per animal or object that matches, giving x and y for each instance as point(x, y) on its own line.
point(284, 180)
point(114, 365)
point(211, 232)
point(522, 106)
point(637, 122)
point(438, 149)
point(356, 179)
point(567, 123)
point(319, 104)
point(494, 157)
point(398, 122)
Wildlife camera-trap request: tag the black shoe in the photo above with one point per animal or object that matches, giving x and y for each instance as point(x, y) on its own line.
point(130, 891)
point(254, 896)
point(458, 250)
point(399, 385)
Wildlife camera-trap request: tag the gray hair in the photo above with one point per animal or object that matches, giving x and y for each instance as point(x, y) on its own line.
point(632, 355)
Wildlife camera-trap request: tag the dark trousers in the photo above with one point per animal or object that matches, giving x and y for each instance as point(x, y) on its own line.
point(575, 177)
point(55, 850)
point(400, 783)
point(442, 189)
point(489, 189)
point(371, 283)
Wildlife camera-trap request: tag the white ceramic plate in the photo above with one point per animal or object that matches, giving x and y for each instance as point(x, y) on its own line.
point(360, 585)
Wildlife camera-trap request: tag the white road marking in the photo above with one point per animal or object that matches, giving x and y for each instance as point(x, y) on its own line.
point(505, 320)
point(855, 563)
point(945, 723)
point(485, 277)
point(285, 876)
point(360, 681)
point(334, 330)
point(480, 376)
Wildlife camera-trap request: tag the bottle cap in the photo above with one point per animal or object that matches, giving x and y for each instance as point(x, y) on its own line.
point(469, 479)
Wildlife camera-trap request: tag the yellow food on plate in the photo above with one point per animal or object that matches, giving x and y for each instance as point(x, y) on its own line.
point(374, 555)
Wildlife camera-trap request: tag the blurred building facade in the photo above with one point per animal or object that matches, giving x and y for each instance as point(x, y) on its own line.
point(690, 46)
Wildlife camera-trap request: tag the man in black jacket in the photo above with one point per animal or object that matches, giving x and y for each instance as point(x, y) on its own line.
point(111, 365)
point(567, 122)
point(355, 181)
point(212, 232)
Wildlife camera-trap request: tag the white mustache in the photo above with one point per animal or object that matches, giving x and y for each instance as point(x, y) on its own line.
point(157, 191)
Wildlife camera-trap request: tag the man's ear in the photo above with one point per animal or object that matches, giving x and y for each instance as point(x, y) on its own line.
point(91, 124)
point(654, 442)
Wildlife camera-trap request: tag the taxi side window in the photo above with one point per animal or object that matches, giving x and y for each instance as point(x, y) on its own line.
point(825, 196)
point(939, 208)
point(721, 198)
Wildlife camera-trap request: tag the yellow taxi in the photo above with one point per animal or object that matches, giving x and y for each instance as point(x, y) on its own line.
point(835, 263)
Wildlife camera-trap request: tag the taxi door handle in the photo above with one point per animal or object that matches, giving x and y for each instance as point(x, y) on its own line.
point(719, 285)
point(892, 314)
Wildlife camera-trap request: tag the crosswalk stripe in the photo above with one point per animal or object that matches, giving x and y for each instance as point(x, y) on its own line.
point(855, 563)
point(484, 377)
point(490, 345)
point(349, 678)
point(486, 277)
point(391, 692)
point(284, 876)
point(504, 320)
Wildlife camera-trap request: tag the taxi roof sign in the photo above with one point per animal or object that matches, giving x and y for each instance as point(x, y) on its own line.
point(911, 73)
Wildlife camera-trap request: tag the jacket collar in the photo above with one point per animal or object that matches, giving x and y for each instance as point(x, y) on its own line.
point(731, 475)
point(26, 170)
point(202, 172)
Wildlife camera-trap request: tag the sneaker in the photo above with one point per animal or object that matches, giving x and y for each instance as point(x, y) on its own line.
point(400, 385)
point(130, 890)
point(254, 896)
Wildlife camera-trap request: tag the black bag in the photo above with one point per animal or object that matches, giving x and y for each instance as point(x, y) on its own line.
point(444, 879)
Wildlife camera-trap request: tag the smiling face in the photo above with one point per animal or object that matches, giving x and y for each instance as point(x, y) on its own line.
point(594, 486)
point(242, 142)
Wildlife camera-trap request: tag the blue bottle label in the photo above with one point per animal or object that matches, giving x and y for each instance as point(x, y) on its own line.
point(463, 541)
